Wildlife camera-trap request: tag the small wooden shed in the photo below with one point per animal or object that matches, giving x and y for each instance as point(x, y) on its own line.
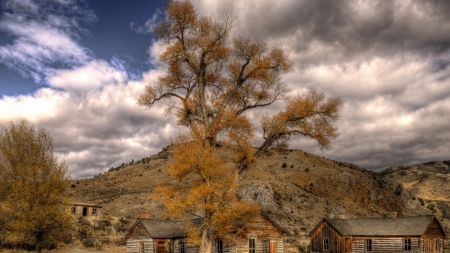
point(397, 234)
point(84, 209)
point(263, 235)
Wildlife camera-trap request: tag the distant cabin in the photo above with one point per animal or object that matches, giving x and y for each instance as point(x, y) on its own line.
point(162, 236)
point(83, 209)
point(398, 234)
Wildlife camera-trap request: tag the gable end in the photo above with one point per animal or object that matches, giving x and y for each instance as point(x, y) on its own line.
point(138, 229)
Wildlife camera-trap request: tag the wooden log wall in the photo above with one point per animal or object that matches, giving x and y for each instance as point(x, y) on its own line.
point(133, 245)
point(261, 230)
point(188, 248)
point(432, 239)
point(431, 245)
point(226, 247)
point(337, 244)
point(382, 244)
point(139, 235)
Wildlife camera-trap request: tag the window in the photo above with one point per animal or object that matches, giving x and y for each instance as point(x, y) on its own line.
point(407, 244)
point(438, 245)
point(141, 247)
point(181, 247)
point(426, 246)
point(94, 211)
point(326, 244)
point(251, 246)
point(368, 245)
point(266, 246)
point(219, 246)
point(74, 209)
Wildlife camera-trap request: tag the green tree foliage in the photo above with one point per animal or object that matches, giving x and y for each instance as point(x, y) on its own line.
point(33, 185)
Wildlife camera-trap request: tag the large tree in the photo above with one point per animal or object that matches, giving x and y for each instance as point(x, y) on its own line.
point(33, 186)
point(210, 84)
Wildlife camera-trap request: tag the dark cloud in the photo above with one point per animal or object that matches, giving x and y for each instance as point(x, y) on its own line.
point(343, 29)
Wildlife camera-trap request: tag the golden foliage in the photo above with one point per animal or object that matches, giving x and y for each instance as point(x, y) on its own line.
point(210, 82)
point(206, 187)
point(310, 115)
point(33, 184)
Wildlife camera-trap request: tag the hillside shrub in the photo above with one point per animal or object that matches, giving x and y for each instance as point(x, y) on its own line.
point(121, 242)
point(307, 170)
point(98, 244)
point(104, 224)
point(88, 242)
point(422, 202)
point(284, 165)
point(84, 229)
point(122, 225)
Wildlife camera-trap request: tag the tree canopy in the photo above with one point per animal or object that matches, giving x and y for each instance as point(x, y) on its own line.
point(211, 82)
point(33, 184)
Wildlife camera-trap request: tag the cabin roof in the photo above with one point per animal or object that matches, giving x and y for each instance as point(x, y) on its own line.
point(170, 229)
point(164, 229)
point(401, 226)
point(86, 205)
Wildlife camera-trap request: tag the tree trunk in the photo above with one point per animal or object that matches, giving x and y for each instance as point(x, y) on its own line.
point(207, 241)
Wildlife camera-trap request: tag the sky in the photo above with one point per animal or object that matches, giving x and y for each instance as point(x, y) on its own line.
point(76, 68)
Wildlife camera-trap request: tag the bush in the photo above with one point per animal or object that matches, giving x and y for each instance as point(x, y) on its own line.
point(284, 165)
point(98, 244)
point(422, 202)
point(307, 169)
point(122, 225)
point(88, 242)
point(120, 242)
point(103, 224)
point(73, 186)
point(432, 207)
point(84, 229)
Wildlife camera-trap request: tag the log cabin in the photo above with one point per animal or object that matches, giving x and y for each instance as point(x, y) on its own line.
point(262, 235)
point(420, 234)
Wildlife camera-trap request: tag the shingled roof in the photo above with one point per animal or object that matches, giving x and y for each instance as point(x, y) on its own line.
point(163, 228)
point(401, 226)
point(170, 229)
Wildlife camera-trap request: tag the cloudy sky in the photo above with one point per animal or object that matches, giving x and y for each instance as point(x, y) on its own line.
point(77, 67)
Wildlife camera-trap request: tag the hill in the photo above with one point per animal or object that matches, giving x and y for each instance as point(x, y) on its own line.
point(297, 189)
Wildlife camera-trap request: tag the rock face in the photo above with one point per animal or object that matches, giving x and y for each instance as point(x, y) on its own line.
point(424, 188)
point(295, 188)
point(261, 194)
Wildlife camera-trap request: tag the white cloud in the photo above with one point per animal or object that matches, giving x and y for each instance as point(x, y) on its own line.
point(43, 38)
point(150, 24)
point(91, 76)
point(94, 118)
point(41, 105)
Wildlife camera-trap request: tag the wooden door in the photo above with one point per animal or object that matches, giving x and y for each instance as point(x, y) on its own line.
point(273, 247)
point(161, 247)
